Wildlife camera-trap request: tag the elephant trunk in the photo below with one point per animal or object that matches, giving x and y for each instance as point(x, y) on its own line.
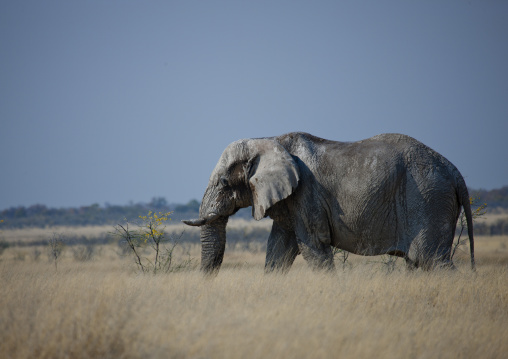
point(213, 244)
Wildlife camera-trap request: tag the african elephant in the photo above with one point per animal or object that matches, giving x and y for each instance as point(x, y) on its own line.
point(389, 194)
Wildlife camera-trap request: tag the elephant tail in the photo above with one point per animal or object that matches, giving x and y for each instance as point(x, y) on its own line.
point(465, 201)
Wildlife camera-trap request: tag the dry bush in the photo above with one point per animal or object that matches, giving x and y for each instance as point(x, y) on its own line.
point(84, 253)
point(100, 309)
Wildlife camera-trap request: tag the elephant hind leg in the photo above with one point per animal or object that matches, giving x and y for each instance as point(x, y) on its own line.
point(431, 247)
point(429, 264)
point(439, 258)
point(410, 264)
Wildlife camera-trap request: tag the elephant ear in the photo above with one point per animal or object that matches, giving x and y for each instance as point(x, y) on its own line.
point(273, 175)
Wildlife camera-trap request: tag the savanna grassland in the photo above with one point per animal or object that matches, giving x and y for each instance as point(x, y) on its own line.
point(103, 308)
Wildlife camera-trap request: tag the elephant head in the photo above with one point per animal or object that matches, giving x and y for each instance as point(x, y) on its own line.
point(253, 172)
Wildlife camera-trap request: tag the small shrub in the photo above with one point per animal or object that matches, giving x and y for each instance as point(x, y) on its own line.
point(83, 253)
point(55, 248)
point(388, 261)
point(3, 246)
point(36, 254)
point(149, 235)
point(19, 255)
point(342, 256)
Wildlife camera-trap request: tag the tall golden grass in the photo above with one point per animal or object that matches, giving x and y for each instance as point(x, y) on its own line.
point(104, 309)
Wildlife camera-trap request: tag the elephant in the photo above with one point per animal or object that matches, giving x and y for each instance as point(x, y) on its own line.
point(388, 194)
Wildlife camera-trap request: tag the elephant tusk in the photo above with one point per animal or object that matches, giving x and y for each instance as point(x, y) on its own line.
point(202, 221)
point(195, 222)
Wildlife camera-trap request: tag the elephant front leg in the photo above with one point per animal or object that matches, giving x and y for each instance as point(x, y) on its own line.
point(282, 249)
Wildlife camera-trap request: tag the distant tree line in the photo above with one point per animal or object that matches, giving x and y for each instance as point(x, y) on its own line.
point(494, 198)
point(39, 215)
point(499, 227)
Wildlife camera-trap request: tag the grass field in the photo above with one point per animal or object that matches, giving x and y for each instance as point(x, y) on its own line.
point(102, 308)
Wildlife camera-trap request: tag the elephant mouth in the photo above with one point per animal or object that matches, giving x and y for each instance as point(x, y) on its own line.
point(201, 221)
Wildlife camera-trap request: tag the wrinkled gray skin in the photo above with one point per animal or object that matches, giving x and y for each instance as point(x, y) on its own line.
point(388, 194)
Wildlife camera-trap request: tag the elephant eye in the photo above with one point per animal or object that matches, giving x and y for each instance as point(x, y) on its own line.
point(224, 182)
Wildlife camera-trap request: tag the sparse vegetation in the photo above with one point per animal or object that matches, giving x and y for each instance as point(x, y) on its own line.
point(83, 252)
point(340, 256)
point(55, 248)
point(3, 246)
point(389, 263)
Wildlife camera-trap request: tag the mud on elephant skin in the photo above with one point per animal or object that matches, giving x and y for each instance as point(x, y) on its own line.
point(389, 194)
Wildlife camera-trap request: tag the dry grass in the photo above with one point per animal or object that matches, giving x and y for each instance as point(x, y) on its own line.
point(495, 214)
point(103, 309)
point(30, 235)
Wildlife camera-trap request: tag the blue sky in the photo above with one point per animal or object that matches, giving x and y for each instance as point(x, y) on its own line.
point(118, 101)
